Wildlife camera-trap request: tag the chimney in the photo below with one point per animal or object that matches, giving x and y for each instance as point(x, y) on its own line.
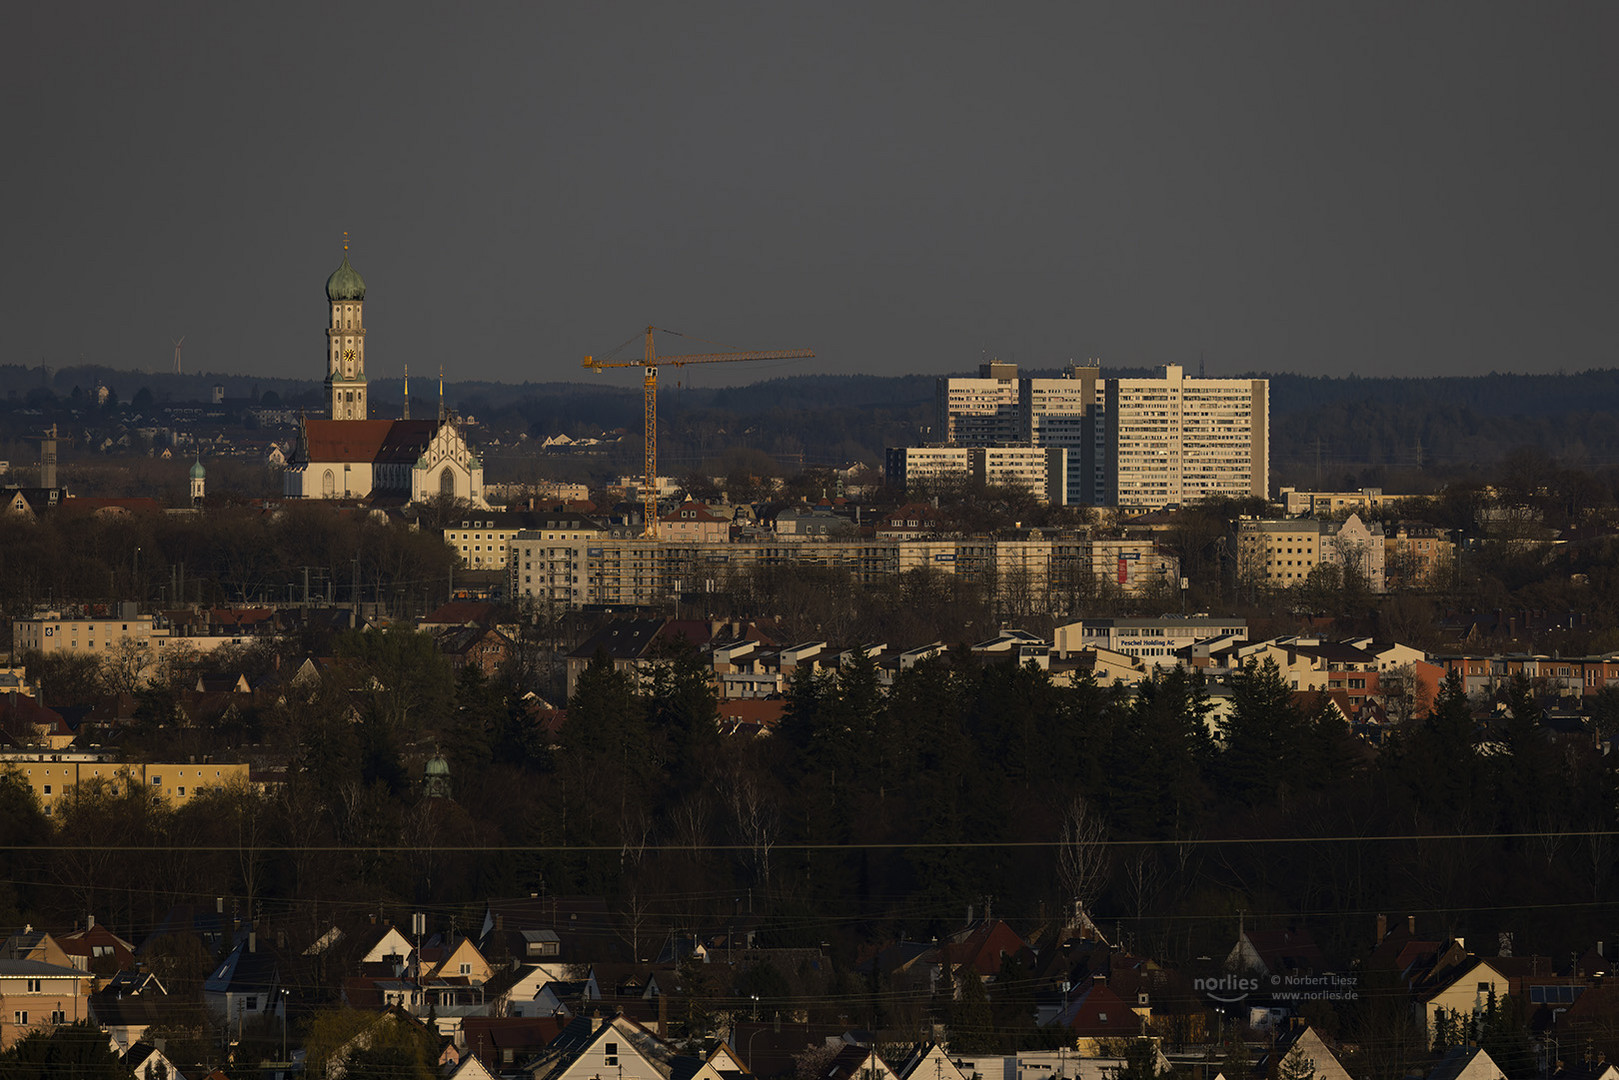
point(1382, 929)
point(252, 941)
point(1599, 950)
point(596, 1020)
point(1411, 925)
point(90, 924)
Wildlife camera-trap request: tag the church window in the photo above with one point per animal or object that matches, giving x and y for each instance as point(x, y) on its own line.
point(326, 483)
point(446, 481)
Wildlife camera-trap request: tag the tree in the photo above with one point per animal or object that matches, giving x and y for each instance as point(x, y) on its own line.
point(1264, 735)
point(1140, 1061)
point(80, 1050)
point(1082, 859)
point(405, 677)
point(1296, 1066)
point(972, 1026)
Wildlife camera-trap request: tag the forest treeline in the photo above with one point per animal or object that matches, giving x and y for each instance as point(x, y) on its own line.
point(1394, 431)
point(874, 811)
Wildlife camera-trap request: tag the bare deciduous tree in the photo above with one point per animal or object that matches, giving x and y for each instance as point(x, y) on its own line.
point(1082, 856)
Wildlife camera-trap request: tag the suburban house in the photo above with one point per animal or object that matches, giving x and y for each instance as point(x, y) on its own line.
point(592, 1047)
point(35, 995)
point(1276, 952)
point(1467, 1063)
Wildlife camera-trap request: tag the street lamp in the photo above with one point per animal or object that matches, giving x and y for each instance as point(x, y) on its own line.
point(755, 1035)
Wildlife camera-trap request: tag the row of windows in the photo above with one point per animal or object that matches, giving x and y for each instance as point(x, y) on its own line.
point(20, 1017)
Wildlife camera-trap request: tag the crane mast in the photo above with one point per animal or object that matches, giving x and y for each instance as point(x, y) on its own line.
point(649, 363)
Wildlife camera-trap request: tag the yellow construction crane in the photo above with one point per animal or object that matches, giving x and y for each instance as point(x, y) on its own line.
point(649, 363)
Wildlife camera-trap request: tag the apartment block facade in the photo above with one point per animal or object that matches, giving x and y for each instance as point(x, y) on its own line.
point(1143, 444)
point(1281, 554)
point(1041, 470)
point(1027, 572)
point(981, 411)
point(1174, 440)
point(56, 777)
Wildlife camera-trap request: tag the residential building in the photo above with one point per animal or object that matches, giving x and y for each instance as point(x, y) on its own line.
point(1028, 571)
point(51, 633)
point(1144, 443)
point(591, 1047)
point(137, 640)
point(981, 411)
point(549, 562)
point(484, 541)
point(1329, 503)
point(1176, 440)
point(908, 467)
point(55, 777)
point(811, 522)
point(693, 522)
point(37, 996)
point(1071, 412)
point(1281, 554)
point(1041, 470)
point(1417, 555)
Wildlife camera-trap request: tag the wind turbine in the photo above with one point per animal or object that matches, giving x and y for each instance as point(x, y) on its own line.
point(177, 345)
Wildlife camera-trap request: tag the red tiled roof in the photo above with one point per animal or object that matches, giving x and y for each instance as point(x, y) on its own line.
point(406, 440)
point(762, 711)
point(345, 440)
point(1103, 1012)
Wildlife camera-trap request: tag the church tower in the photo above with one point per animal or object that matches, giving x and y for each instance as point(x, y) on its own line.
point(345, 343)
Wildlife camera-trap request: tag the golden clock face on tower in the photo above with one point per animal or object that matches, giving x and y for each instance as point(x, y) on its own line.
point(348, 354)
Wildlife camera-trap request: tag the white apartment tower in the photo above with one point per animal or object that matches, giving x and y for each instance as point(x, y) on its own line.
point(1173, 440)
point(981, 411)
point(1168, 440)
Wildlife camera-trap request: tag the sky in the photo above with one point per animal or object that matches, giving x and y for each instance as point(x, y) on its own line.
point(1368, 188)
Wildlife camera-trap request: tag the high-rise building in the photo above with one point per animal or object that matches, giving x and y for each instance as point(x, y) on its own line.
point(1069, 413)
point(981, 411)
point(1174, 440)
point(1167, 440)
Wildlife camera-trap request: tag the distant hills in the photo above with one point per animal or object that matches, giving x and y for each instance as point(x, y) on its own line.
point(1324, 430)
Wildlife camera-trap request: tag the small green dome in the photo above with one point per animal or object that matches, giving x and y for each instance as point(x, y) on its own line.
point(197, 471)
point(437, 766)
point(345, 283)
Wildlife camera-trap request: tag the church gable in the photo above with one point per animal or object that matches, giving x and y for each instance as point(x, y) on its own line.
point(447, 445)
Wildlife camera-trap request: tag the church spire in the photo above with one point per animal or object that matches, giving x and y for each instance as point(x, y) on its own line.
point(407, 393)
point(346, 385)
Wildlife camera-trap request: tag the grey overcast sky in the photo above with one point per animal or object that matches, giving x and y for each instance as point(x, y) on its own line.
point(1378, 188)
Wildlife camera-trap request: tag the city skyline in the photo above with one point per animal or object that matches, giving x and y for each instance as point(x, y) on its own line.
point(1377, 190)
